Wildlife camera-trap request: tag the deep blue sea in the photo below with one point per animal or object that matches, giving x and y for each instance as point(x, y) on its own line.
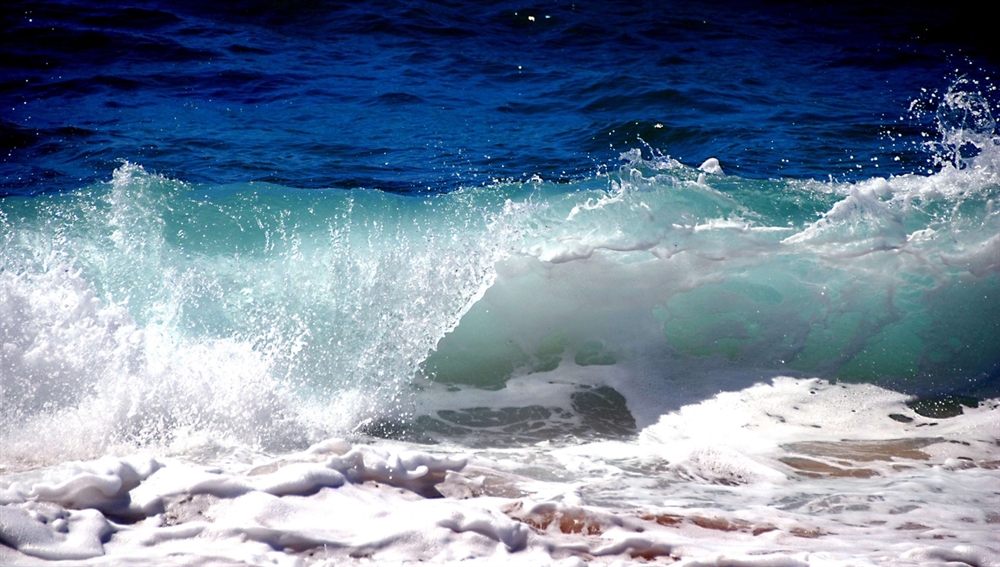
point(281, 220)
point(434, 96)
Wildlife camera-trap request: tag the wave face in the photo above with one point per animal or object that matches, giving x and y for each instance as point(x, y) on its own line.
point(177, 307)
point(677, 275)
point(151, 309)
point(266, 223)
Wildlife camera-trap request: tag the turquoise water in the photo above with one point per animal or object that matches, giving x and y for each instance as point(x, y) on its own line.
point(332, 311)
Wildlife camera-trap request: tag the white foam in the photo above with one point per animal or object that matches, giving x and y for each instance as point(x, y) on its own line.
point(734, 464)
point(706, 485)
point(48, 532)
point(711, 165)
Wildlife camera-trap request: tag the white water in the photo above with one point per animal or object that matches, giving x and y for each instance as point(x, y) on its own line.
point(722, 482)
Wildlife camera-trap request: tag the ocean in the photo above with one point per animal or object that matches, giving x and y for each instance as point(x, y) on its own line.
point(308, 282)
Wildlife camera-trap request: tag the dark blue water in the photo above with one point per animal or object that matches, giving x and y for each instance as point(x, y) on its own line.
point(431, 96)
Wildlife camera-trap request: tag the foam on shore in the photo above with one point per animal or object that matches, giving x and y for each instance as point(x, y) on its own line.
point(723, 482)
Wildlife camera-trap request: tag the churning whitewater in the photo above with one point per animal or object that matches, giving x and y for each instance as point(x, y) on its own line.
point(304, 314)
point(526, 327)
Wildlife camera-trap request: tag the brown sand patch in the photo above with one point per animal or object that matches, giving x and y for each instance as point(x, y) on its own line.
point(546, 517)
point(710, 523)
point(866, 451)
point(664, 519)
point(817, 469)
point(806, 533)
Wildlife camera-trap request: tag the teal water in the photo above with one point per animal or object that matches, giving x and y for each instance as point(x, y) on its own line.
point(327, 311)
point(273, 222)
